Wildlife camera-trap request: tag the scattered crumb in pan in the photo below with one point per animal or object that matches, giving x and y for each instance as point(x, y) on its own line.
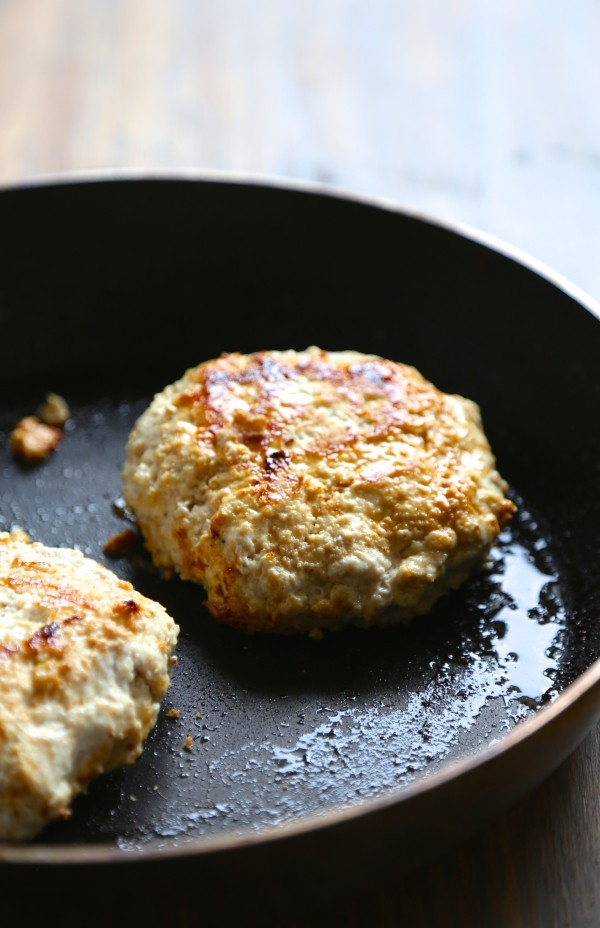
point(32, 440)
point(54, 410)
point(173, 714)
point(188, 743)
point(37, 436)
point(120, 543)
point(307, 491)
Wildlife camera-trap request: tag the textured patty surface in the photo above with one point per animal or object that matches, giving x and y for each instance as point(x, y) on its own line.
point(306, 490)
point(84, 663)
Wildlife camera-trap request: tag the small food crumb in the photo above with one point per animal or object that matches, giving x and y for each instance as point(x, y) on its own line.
point(188, 743)
point(32, 440)
point(173, 714)
point(54, 410)
point(120, 543)
point(199, 715)
point(35, 437)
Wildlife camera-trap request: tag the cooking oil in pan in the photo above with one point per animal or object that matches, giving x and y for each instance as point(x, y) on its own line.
point(281, 727)
point(511, 660)
point(291, 726)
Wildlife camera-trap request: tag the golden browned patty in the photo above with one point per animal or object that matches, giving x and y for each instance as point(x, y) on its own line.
point(84, 663)
point(307, 490)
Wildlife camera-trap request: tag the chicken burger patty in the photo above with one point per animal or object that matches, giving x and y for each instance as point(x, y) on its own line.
point(84, 663)
point(308, 490)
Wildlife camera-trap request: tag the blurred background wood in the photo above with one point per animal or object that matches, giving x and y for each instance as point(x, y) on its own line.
point(483, 113)
point(480, 113)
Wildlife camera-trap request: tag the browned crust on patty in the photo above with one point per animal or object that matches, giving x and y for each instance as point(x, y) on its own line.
point(84, 662)
point(259, 475)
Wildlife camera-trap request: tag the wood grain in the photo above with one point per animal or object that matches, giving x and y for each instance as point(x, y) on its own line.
point(484, 114)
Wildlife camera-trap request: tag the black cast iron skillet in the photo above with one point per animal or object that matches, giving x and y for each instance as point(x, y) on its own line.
point(316, 766)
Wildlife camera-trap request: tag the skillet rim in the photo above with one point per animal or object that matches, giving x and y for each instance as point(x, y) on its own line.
point(333, 191)
point(564, 705)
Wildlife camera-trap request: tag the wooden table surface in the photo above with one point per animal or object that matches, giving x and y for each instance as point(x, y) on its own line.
point(482, 113)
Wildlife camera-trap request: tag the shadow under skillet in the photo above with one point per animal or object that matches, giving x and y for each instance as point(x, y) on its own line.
point(281, 727)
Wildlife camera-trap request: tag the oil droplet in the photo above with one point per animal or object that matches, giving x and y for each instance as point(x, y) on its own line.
point(527, 649)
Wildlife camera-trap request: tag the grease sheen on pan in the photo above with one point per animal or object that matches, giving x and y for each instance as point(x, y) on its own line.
point(84, 663)
point(308, 490)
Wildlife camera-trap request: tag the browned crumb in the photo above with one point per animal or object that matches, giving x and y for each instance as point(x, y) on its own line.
point(35, 437)
point(120, 543)
point(188, 743)
point(173, 714)
point(54, 410)
point(32, 440)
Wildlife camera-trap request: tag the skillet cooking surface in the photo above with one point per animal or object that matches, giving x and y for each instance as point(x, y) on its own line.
point(283, 726)
point(109, 291)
